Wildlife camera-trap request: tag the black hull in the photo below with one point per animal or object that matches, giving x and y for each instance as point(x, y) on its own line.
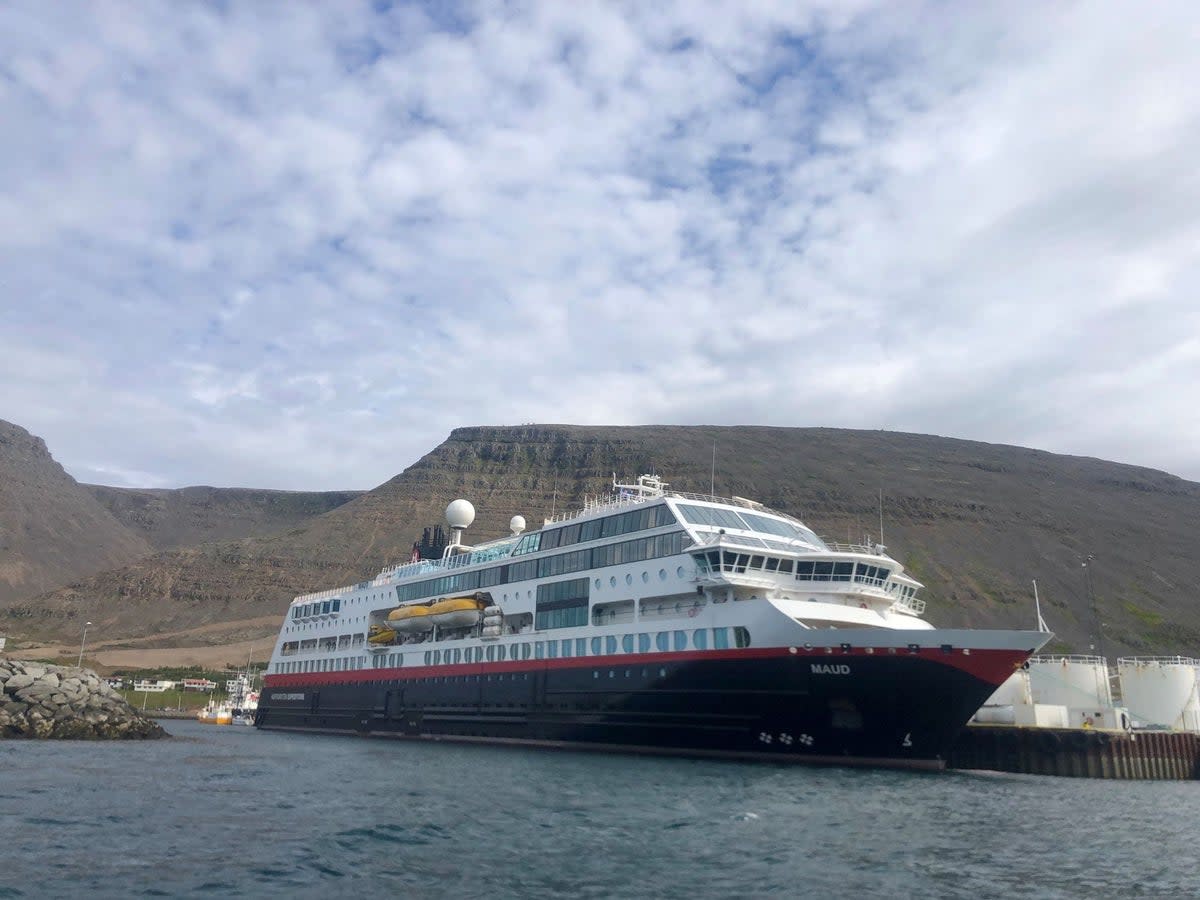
point(901, 711)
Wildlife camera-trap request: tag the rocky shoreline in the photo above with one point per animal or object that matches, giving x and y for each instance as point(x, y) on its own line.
point(63, 702)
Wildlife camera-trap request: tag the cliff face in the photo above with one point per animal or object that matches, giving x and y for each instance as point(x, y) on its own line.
point(975, 522)
point(52, 530)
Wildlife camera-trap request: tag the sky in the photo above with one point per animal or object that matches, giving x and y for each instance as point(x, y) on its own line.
point(294, 245)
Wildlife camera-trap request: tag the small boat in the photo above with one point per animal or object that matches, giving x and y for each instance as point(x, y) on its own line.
point(216, 713)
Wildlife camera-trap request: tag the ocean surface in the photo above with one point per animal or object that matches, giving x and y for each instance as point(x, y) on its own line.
point(233, 812)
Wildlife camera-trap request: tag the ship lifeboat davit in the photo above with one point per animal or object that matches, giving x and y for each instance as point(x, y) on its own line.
point(451, 612)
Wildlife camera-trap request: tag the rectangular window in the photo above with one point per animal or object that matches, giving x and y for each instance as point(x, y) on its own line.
point(581, 646)
point(552, 649)
point(720, 638)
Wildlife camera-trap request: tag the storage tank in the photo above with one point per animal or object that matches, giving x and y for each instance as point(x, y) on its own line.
point(1161, 691)
point(1071, 681)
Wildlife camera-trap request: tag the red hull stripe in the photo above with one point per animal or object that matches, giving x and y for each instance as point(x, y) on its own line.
point(991, 666)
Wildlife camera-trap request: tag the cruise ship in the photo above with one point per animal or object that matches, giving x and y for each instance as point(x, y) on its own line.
point(650, 621)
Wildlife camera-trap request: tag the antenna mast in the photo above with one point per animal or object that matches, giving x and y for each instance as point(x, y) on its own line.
point(712, 480)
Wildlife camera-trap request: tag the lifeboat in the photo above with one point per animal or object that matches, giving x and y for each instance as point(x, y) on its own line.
point(378, 634)
point(449, 612)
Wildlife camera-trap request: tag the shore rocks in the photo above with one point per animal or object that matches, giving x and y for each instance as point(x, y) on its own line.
point(39, 701)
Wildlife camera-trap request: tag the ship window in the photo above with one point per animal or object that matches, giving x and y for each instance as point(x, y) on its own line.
point(627, 643)
point(772, 564)
point(804, 570)
point(643, 643)
point(526, 651)
point(539, 650)
point(741, 637)
point(596, 645)
point(680, 640)
point(700, 639)
point(501, 652)
point(610, 644)
point(552, 649)
point(843, 571)
point(337, 605)
point(822, 571)
point(550, 539)
point(756, 562)
point(566, 648)
point(589, 531)
point(720, 638)
point(662, 641)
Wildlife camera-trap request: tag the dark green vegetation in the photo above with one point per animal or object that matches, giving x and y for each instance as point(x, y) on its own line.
point(975, 522)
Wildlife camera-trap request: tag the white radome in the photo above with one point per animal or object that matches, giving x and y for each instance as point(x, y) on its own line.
point(460, 513)
point(516, 524)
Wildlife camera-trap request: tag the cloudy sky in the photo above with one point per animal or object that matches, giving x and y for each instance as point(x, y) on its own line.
point(293, 246)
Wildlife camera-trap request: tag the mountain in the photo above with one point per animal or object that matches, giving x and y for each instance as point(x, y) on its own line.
point(171, 518)
point(52, 529)
point(975, 522)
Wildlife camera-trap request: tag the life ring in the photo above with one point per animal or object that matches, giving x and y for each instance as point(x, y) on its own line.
point(692, 612)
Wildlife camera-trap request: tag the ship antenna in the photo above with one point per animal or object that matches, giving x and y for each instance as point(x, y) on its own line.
point(712, 477)
point(881, 514)
point(554, 495)
point(1037, 605)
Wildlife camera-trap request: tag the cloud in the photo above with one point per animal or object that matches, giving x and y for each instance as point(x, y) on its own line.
point(244, 249)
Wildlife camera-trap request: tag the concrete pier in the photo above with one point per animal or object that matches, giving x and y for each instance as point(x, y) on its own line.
point(1078, 753)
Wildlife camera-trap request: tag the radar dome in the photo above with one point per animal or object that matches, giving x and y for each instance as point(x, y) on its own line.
point(516, 524)
point(460, 514)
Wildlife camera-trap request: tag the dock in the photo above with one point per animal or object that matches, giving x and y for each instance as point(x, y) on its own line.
point(1078, 753)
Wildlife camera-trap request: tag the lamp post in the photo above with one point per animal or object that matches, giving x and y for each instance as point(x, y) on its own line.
point(82, 643)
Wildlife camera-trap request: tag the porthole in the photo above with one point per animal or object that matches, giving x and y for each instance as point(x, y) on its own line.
point(612, 580)
point(645, 577)
point(679, 572)
point(598, 584)
point(629, 578)
point(662, 574)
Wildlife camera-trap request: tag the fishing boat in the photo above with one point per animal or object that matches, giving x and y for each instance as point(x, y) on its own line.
point(650, 620)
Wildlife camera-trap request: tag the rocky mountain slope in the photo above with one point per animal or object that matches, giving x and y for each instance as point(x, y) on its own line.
point(976, 522)
point(52, 529)
point(180, 517)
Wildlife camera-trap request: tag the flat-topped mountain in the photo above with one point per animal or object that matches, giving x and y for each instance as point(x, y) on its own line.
point(975, 522)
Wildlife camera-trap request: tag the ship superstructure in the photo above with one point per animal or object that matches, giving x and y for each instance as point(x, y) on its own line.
point(653, 620)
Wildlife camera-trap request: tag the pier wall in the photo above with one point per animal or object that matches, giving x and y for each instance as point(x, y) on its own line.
point(1078, 753)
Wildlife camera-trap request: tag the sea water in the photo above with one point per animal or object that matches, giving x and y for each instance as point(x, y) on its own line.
point(233, 812)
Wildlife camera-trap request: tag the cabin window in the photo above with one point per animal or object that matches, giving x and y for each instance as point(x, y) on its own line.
point(627, 643)
point(662, 641)
point(680, 638)
point(741, 637)
point(337, 604)
point(526, 651)
point(566, 648)
point(720, 638)
point(539, 650)
point(581, 646)
point(552, 649)
point(643, 643)
point(700, 639)
point(500, 652)
point(610, 644)
point(596, 645)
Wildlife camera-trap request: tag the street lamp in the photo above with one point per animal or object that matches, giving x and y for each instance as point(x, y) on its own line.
point(82, 643)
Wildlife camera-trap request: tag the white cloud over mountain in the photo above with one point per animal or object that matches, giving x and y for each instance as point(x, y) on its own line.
point(294, 246)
